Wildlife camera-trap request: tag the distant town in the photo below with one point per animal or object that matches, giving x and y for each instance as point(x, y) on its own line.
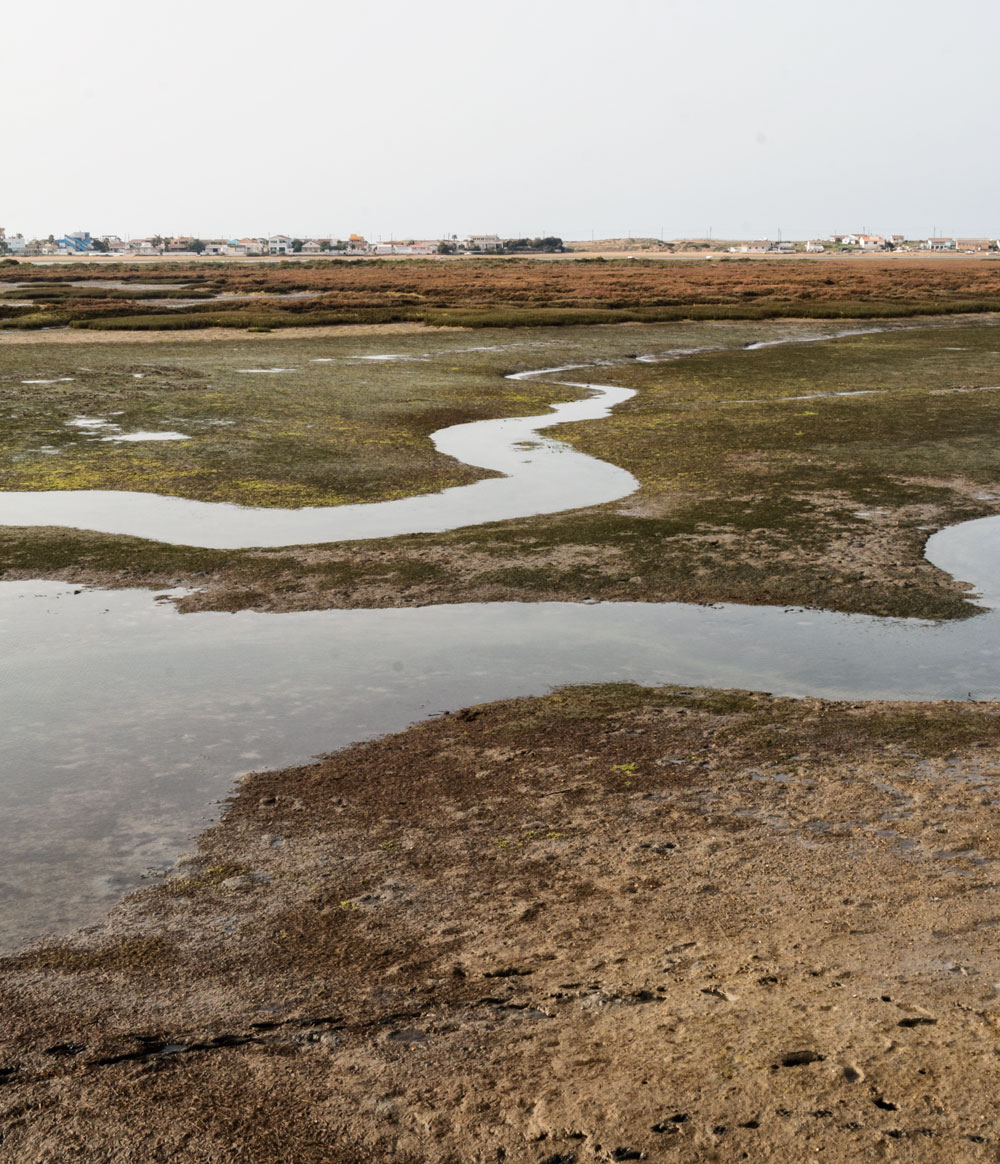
point(81, 242)
point(867, 242)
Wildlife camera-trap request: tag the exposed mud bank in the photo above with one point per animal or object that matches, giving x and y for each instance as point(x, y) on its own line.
point(612, 922)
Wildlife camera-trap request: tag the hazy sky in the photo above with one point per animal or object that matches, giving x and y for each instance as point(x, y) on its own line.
point(417, 119)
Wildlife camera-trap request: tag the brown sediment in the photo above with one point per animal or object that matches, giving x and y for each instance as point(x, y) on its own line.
point(875, 566)
point(77, 336)
point(71, 335)
point(697, 925)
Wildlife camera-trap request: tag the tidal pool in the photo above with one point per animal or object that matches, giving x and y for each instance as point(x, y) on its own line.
point(126, 721)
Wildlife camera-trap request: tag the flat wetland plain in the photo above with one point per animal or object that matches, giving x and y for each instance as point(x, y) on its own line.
point(692, 924)
point(746, 457)
point(475, 292)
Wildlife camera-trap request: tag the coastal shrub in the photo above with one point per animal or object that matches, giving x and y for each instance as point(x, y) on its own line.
point(181, 320)
point(508, 292)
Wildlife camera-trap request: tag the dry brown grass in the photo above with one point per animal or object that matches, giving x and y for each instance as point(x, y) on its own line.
point(477, 283)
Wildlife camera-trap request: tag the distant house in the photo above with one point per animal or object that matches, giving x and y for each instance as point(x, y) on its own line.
point(410, 247)
point(16, 244)
point(973, 244)
point(312, 247)
point(782, 248)
point(759, 246)
point(939, 244)
point(279, 244)
point(357, 244)
point(814, 247)
point(238, 247)
point(76, 242)
point(484, 242)
point(864, 242)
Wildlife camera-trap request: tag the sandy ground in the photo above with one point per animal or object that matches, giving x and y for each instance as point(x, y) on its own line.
point(72, 335)
point(681, 925)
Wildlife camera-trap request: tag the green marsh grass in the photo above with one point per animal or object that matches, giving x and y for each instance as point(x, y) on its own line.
point(744, 497)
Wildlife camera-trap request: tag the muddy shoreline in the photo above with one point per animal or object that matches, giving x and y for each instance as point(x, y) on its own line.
point(679, 922)
point(877, 569)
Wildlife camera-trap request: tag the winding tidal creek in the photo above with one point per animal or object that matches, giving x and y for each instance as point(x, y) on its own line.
point(540, 475)
point(125, 722)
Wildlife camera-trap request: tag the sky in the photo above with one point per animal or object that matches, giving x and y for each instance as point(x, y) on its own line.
point(576, 118)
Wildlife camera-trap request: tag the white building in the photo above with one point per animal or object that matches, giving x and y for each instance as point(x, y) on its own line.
point(484, 242)
point(238, 247)
point(279, 244)
point(814, 247)
point(411, 247)
point(864, 242)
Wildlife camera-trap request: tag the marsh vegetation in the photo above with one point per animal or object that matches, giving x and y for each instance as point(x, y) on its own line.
point(759, 482)
point(492, 292)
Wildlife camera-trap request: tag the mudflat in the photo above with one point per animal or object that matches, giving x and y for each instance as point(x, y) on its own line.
point(601, 925)
point(781, 462)
point(205, 334)
point(609, 924)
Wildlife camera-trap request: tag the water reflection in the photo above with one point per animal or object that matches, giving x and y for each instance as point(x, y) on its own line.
point(125, 720)
point(540, 475)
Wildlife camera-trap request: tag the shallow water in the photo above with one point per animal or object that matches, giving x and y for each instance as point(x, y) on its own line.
point(125, 721)
point(157, 712)
point(540, 475)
